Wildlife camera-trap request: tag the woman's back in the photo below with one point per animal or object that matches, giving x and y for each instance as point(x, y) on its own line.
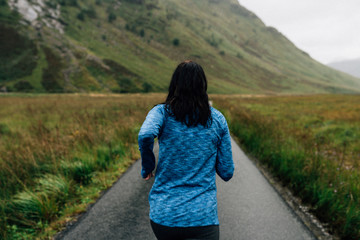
point(184, 191)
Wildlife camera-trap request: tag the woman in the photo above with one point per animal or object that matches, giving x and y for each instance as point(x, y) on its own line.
point(194, 143)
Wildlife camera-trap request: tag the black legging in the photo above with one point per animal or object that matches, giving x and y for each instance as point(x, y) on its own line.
point(185, 233)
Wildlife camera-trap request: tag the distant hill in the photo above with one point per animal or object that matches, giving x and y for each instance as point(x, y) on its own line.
point(351, 67)
point(134, 46)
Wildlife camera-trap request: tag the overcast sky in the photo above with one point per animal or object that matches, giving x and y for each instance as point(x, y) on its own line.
point(329, 30)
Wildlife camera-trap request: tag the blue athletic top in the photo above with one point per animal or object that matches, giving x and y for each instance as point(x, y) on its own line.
point(184, 190)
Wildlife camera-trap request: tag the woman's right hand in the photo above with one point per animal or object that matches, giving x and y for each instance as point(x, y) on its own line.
point(149, 176)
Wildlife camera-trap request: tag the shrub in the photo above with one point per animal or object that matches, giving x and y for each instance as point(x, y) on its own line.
point(213, 41)
point(52, 5)
point(103, 157)
point(62, 2)
point(81, 16)
point(52, 74)
point(111, 17)
point(131, 28)
point(72, 3)
point(136, 1)
point(127, 85)
point(4, 129)
point(176, 42)
point(238, 55)
point(90, 12)
point(28, 208)
point(56, 187)
point(147, 87)
point(23, 86)
point(79, 170)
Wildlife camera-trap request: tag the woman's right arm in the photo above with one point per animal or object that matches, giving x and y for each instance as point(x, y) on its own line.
point(148, 132)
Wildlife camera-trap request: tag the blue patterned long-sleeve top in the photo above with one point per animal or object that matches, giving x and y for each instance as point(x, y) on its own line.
point(184, 190)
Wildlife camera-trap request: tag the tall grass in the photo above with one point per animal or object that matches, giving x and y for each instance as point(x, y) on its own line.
point(59, 151)
point(319, 166)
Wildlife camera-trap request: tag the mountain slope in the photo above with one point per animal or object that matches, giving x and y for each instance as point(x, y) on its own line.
point(351, 67)
point(134, 46)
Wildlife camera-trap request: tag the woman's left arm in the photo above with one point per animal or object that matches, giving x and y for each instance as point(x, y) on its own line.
point(148, 132)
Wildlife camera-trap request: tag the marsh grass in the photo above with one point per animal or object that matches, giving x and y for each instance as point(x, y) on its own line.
point(311, 143)
point(58, 152)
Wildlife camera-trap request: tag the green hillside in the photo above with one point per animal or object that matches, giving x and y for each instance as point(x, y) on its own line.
point(134, 46)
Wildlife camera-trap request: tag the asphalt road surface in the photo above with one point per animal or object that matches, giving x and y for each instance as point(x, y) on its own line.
point(248, 207)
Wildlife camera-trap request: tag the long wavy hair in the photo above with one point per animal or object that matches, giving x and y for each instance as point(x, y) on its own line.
point(187, 98)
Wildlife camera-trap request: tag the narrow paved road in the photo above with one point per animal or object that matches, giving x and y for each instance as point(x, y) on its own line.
point(249, 209)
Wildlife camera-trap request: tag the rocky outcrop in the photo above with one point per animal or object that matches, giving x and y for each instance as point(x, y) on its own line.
point(38, 14)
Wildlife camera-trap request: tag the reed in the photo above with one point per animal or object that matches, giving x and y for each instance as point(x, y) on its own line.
point(311, 143)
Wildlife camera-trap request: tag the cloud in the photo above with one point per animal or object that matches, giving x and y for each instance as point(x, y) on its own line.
point(326, 29)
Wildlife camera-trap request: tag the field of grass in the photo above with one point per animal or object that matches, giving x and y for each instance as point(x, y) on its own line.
point(311, 143)
point(58, 152)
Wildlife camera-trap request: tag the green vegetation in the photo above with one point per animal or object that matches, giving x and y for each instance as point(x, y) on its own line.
point(176, 42)
point(52, 74)
point(150, 37)
point(18, 55)
point(111, 17)
point(59, 152)
point(311, 143)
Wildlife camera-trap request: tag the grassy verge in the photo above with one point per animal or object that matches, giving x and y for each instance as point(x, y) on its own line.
point(311, 143)
point(58, 152)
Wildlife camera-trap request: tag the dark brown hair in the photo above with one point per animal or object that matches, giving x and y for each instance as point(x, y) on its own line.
point(187, 98)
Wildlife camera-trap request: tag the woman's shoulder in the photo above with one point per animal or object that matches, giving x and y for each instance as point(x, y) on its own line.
point(217, 118)
point(157, 111)
point(159, 107)
point(216, 114)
